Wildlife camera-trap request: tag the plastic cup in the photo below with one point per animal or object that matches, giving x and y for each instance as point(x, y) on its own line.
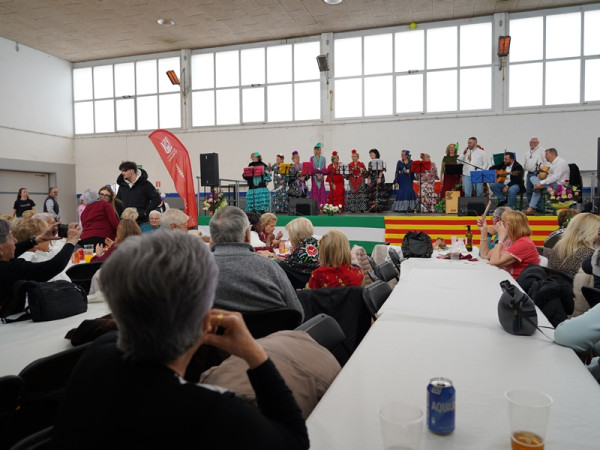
point(88, 252)
point(454, 254)
point(528, 412)
point(401, 426)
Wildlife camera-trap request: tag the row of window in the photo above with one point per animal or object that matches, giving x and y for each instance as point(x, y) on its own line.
point(554, 60)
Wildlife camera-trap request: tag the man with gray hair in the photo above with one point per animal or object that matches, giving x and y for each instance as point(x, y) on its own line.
point(247, 281)
point(174, 219)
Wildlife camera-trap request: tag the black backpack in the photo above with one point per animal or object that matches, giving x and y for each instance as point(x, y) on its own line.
point(417, 244)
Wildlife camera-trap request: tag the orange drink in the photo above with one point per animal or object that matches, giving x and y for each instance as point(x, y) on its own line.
point(525, 440)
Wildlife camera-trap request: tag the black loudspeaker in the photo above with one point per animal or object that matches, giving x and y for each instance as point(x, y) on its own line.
point(209, 169)
point(304, 207)
point(471, 206)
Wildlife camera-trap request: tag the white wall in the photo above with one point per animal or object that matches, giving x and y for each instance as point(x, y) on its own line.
point(36, 118)
point(573, 134)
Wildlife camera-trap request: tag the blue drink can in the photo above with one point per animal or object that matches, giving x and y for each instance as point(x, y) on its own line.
point(441, 404)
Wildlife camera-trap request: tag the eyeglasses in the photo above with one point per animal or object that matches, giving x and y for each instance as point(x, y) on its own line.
point(105, 196)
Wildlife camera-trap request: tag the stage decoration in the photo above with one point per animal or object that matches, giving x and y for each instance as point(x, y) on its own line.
point(441, 205)
point(215, 201)
point(330, 210)
point(177, 161)
point(562, 196)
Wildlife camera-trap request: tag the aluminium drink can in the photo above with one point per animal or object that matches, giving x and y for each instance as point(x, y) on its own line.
point(441, 404)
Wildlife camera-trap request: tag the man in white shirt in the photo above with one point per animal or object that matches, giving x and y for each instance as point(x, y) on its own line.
point(533, 161)
point(473, 158)
point(559, 172)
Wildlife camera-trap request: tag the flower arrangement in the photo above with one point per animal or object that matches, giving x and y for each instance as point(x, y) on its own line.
point(215, 201)
point(330, 210)
point(563, 195)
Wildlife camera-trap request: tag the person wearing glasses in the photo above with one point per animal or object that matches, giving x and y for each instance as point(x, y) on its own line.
point(489, 233)
point(106, 194)
point(98, 219)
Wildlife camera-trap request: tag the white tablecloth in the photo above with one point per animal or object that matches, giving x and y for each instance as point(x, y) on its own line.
point(24, 342)
point(441, 320)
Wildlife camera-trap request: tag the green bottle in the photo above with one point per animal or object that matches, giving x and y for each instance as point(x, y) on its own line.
point(469, 239)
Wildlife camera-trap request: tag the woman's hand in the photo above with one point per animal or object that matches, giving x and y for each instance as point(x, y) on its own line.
point(502, 231)
point(227, 330)
point(109, 242)
point(51, 234)
point(73, 233)
point(482, 224)
point(99, 249)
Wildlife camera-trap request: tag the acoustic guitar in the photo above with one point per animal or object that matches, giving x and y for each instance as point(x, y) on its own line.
point(544, 171)
point(501, 175)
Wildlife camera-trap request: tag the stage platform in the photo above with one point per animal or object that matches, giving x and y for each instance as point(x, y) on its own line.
point(368, 230)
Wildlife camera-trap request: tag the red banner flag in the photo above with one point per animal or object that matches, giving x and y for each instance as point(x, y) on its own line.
point(177, 161)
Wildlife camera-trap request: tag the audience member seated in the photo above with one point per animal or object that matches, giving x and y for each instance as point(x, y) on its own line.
point(564, 217)
point(304, 255)
point(488, 233)
point(153, 222)
point(174, 219)
point(254, 219)
point(13, 270)
point(98, 220)
point(128, 391)
point(25, 228)
point(577, 243)
point(127, 227)
point(591, 266)
point(247, 281)
point(268, 222)
point(130, 213)
point(515, 250)
point(336, 263)
point(582, 334)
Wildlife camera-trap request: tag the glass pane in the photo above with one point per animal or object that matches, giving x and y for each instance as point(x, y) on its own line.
point(378, 54)
point(525, 88)
point(147, 113)
point(305, 61)
point(169, 111)
point(476, 44)
point(125, 114)
point(103, 82)
point(253, 66)
point(82, 84)
point(105, 116)
point(279, 64)
point(591, 33)
point(592, 75)
point(563, 35)
point(203, 71)
point(409, 93)
point(164, 84)
point(442, 48)
point(228, 69)
point(348, 57)
point(84, 117)
point(348, 98)
point(476, 88)
point(562, 82)
point(253, 105)
point(526, 39)
point(410, 50)
point(145, 77)
point(379, 97)
point(124, 80)
point(307, 101)
point(228, 106)
point(203, 108)
point(441, 91)
point(279, 103)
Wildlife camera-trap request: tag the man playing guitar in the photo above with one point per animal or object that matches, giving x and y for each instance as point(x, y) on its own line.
point(509, 180)
point(558, 173)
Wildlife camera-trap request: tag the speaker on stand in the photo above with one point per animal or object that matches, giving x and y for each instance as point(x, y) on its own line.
point(209, 169)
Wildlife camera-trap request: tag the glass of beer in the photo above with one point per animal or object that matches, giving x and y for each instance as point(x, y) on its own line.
point(528, 413)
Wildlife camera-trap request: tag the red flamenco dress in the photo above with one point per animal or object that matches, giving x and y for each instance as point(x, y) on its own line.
point(337, 193)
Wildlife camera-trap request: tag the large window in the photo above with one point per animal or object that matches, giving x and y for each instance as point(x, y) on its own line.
point(256, 85)
point(554, 59)
point(129, 96)
point(436, 70)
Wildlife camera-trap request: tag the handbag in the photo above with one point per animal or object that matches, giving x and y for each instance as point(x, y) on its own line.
point(516, 311)
point(417, 244)
point(46, 301)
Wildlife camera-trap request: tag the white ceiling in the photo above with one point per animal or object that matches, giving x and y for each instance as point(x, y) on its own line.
point(85, 30)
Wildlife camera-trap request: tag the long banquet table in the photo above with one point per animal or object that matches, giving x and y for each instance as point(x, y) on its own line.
point(433, 325)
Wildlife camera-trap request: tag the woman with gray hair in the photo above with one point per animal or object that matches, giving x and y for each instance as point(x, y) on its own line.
point(98, 220)
point(129, 391)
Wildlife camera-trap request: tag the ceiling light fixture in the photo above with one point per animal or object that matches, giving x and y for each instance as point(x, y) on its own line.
point(166, 22)
point(333, 2)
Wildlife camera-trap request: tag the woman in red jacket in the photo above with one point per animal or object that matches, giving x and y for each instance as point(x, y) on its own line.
point(98, 220)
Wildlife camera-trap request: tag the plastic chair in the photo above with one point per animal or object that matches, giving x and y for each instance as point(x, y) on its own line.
point(81, 274)
point(375, 296)
point(11, 387)
point(325, 330)
point(40, 440)
point(591, 295)
point(263, 323)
